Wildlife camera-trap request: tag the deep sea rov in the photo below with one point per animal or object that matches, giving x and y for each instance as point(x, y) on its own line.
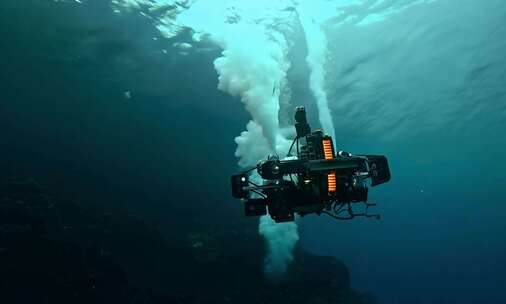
point(314, 180)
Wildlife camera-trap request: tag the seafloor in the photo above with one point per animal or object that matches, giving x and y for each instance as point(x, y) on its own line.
point(55, 251)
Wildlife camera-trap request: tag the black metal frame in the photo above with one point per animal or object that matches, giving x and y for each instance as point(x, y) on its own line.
point(284, 198)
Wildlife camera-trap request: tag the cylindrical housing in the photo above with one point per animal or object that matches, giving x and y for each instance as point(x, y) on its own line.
point(301, 125)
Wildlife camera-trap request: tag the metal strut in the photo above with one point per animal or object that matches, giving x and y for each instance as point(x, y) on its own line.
point(339, 208)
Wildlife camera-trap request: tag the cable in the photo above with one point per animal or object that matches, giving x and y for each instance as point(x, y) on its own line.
point(291, 146)
point(249, 170)
point(298, 153)
point(337, 217)
point(260, 193)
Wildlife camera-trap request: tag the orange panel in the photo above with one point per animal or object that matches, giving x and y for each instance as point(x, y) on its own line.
point(327, 149)
point(331, 180)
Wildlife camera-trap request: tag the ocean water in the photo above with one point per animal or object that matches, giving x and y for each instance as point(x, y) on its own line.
point(124, 103)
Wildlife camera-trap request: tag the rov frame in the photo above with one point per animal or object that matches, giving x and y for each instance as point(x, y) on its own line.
point(317, 181)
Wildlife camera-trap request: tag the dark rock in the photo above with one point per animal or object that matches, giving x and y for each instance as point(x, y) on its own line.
point(56, 252)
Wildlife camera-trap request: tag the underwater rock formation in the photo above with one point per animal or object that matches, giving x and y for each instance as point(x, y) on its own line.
point(54, 251)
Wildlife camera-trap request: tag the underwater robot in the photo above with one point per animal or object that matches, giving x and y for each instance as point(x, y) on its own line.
point(315, 180)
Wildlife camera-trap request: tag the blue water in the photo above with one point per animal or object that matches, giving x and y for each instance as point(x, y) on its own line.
point(427, 89)
point(425, 86)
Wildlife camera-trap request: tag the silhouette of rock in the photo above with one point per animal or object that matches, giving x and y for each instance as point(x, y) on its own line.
point(57, 252)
